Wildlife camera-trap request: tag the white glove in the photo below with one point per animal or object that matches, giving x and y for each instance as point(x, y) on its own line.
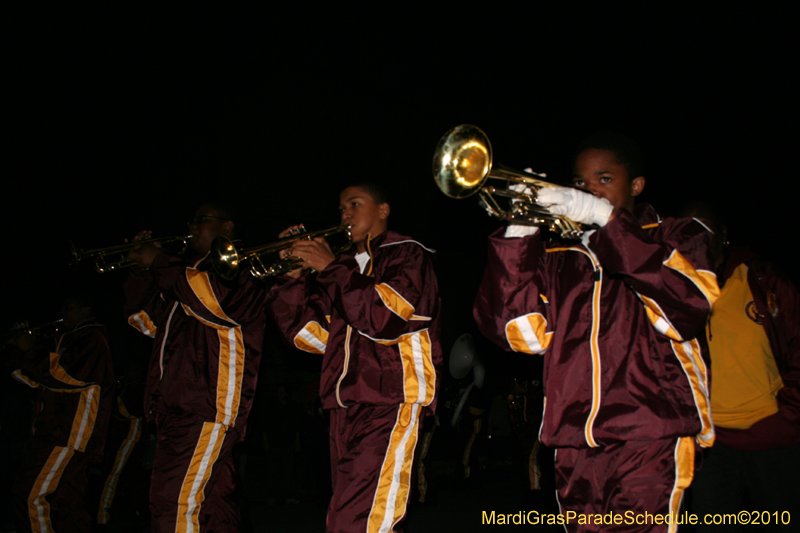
point(519, 187)
point(576, 205)
point(517, 231)
point(520, 230)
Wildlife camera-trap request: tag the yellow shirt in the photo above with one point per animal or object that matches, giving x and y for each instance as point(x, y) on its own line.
point(744, 377)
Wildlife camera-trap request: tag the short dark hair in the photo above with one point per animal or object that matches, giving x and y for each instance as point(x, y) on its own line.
point(376, 192)
point(626, 151)
point(79, 297)
point(223, 209)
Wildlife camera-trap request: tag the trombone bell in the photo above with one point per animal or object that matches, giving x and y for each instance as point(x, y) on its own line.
point(462, 166)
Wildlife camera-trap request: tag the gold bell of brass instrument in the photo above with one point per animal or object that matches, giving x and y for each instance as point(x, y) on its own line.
point(226, 259)
point(462, 166)
point(116, 257)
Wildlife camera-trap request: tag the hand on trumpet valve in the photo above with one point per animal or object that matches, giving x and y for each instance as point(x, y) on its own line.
point(576, 205)
point(521, 189)
point(316, 254)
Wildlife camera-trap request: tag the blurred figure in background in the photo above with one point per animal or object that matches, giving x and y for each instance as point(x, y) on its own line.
point(75, 385)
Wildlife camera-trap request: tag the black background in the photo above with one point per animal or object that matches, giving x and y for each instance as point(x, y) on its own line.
point(124, 120)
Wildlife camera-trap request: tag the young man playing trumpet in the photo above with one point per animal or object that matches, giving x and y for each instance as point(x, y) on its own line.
point(619, 317)
point(373, 314)
point(208, 336)
point(75, 383)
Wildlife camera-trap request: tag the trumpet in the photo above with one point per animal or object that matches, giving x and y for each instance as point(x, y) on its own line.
point(116, 257)
point(45, 331)
point(226, 259)
point(462, 166)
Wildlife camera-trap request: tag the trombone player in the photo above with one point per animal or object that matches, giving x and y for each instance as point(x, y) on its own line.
point(373, 315)
point(201, 380)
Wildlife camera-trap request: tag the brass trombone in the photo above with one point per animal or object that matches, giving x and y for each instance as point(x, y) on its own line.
point(116, 257)
point(462, 166)
point(226, 259)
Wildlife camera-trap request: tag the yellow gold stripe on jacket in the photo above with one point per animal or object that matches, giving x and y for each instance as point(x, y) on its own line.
point(344, 366)
point(46, 483)
point(394, 301)
point(312, 338)
point(594, 341)
point(596, 363)
point(123, 454)
point(659, 320)
point(688, 354)
point(528, 334)
point(419, 375)
point(192, 491)
point(229, 375)
point(704, 280)
point(58, 372)
point(201, 286)
point(19, 376)
point(369, 252)
point(141, 321)
point(391, 496)
point(85, 416)
point(190, 312)
point(684, 472)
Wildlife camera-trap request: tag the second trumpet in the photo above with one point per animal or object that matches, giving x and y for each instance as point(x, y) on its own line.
point(226, 259)
point(116, 257)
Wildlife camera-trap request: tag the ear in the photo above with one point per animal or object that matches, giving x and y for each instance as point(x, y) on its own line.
point(384, 211)
point(227, 228)
point(637, 186)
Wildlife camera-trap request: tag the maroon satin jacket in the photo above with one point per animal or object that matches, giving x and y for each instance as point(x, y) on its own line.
point(378, 331)
point(208, 338)
point(75, 389)
point(620, 320)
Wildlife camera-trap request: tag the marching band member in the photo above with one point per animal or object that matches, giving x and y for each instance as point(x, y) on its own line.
point(75, 386)
point(208, 338)
point(619, 318)
point(373, 314)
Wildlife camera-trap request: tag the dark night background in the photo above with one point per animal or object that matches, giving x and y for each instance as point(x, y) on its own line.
point(124, 120)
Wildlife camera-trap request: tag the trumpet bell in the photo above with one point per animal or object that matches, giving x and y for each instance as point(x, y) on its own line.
point(462, 161)
point(224, 257)
point(462, 166)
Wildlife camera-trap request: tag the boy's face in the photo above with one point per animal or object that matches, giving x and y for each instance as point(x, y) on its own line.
point(206, 225)
point(598, 172)
point(363, 214)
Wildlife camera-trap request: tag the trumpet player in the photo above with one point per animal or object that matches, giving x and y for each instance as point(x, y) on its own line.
point(201, 380)
point(75, 386)
point(373, 315)
point(619, 318)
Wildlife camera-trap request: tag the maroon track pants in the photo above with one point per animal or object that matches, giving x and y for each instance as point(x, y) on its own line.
point(633, 481)
point(50, 488)
point(192, 484)
point(372, 452)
